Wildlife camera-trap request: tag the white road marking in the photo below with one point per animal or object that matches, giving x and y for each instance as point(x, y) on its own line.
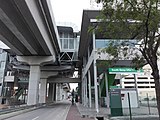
point(35, 118)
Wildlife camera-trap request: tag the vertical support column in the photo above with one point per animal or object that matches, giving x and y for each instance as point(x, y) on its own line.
point(136, 86)
point(50, 92)
point(107, 93)
point(95, 75)
point(33, 90)
point(53, 92)
point(89, 83)
point(83, 100)
point(89, 87)
point(58, 87)
point(82, 92)
point(35, 74)
point(42, 92)
point(121, 81)
point(85, 91)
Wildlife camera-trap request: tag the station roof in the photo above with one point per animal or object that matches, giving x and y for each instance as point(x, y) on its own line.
point(84, 36)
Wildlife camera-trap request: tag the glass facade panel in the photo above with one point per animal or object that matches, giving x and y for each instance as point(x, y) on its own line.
point(61, 42)
point(60, 35)
point(101, 43)
point(71, 43)
point(70, 35)
point(68, 41)
point(65, 44)
point(65, 35)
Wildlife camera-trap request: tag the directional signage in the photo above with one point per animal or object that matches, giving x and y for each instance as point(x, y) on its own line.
point(124, 70)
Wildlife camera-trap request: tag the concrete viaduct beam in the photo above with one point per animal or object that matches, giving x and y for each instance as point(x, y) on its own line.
point(24, 27)
point(63, 80)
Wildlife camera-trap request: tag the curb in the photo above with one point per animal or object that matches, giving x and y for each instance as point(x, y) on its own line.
point(8, 115)
point(138, 116)
point(104, 118)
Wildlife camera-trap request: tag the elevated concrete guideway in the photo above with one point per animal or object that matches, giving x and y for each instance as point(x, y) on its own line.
point(28, 28)
point(63, 80)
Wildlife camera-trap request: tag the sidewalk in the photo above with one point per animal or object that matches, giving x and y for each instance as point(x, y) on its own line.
point(91, 112)
point(141, 113)
point(74, 114)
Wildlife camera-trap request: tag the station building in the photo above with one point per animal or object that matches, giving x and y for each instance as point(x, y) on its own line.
point(96, 80)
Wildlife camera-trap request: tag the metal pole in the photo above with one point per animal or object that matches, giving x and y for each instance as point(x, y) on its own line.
point(120, 80)
point(89, 86)
point(136, 86)
point(83, 92)
point(89, 83)
point(107, 92)
point(95, 75)
point(130, 112)
point(86, 99)
point(148, 104)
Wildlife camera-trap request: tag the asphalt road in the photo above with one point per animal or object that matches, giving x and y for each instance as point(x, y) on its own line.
point(57, 111)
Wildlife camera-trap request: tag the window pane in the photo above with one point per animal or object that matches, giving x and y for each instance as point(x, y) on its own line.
point(61, 42)
point(70, 35)
point(60, 35)
point(65, 44)
point(65, 35)
point(71, 43)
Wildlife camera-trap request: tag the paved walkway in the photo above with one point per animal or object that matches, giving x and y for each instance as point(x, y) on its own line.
point(91, 112)
point(74, 114)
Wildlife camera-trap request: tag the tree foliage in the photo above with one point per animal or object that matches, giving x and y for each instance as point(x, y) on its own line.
point(135, 19)
point(132, 19)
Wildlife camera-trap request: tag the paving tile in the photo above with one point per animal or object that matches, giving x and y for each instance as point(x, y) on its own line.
point(74, 114)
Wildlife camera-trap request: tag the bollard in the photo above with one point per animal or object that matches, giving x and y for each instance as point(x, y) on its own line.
point(148, 104)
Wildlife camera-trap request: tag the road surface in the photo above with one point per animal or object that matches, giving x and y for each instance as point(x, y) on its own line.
point(57, 111)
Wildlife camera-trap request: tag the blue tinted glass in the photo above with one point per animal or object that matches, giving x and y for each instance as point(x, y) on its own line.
point(101, 43)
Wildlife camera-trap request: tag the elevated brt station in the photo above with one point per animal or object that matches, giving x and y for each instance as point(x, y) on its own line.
point(47, 56)
point(95, 66)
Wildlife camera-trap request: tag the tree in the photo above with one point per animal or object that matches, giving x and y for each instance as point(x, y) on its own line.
point(135, 19)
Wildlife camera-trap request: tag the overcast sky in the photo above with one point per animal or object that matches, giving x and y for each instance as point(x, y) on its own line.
point(69, 10)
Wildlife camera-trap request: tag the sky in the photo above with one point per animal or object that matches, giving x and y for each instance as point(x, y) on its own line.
point(69, 10)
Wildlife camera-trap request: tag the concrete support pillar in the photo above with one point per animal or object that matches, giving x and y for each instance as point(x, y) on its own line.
point(33, 89)
point(59, 93)
point(53, 93)
point(50, 92)
point(35, 74)
point(42, 92)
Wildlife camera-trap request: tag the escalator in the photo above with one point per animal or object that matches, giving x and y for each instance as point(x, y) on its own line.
point(19, 93)
point(110, 78)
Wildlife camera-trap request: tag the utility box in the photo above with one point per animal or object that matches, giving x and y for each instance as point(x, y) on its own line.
point(133, 98)
point(115, 102)
point(119, 100)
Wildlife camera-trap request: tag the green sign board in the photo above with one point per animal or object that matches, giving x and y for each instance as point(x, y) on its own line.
point(124, 70)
